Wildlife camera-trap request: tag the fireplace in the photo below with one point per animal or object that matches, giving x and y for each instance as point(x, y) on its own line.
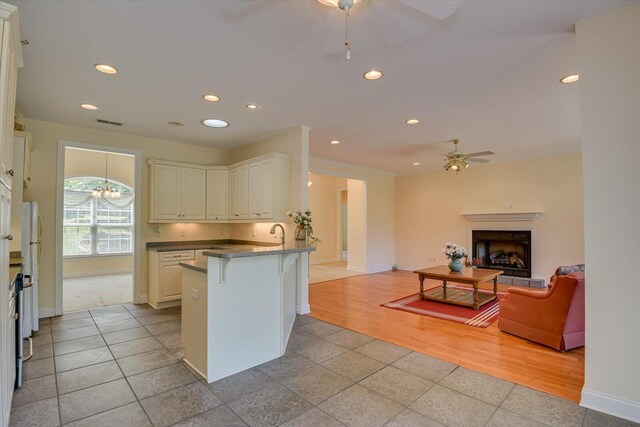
point(506, 250)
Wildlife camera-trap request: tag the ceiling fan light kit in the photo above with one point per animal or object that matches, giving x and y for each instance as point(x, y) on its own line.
point(456, 160)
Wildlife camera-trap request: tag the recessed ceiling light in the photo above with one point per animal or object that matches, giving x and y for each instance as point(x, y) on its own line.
point(176, 124)
point(211, 98)
point(570, 79)
point(104, 68)
point(416, 163)
point(252, 106)
point(89, 107)
point(215, 123)
point(372, 75)
point(412, 121)
point(334, 142)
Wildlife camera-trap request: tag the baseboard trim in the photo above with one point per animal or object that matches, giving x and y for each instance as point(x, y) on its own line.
point(611, 405)
point(96, 273)
point(46, 312)
point(303, 309)
point(356, 268)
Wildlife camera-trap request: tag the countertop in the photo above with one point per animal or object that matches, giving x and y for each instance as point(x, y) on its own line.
point(200, 244)
point(246, 250)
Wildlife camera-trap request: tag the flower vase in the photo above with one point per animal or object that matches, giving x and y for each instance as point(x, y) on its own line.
point(455, 264)
point(301, 233)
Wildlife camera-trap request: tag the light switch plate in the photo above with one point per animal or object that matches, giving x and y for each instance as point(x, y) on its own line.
point(195, 294)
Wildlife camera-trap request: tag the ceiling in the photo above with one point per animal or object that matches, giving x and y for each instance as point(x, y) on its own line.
point(488, 74)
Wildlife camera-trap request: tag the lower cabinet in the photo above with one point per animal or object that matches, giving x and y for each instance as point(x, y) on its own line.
point(165, 277)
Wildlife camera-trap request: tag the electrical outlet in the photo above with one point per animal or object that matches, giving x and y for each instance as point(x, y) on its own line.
point(183, 233)
point(253, 232)
point(195, 294)
point(221, 231)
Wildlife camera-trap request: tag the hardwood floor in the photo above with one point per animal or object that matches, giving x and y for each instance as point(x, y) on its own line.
point(354, 303)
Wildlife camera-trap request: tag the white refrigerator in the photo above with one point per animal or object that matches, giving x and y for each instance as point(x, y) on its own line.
point(31, 251)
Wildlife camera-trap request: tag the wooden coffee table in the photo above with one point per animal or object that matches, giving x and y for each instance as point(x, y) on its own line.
point(463, 297)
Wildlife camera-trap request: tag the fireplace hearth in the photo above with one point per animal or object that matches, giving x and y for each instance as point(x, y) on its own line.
point(506, 250)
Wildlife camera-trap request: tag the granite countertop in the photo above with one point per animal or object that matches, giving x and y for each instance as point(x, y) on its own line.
point(197, 265)
point(199, 244)
point(249, 250)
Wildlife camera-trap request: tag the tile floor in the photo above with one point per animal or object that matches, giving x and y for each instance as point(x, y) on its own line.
point(121, 366)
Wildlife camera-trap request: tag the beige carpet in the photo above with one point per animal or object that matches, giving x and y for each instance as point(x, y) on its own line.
point(81, 293)
point(330, 271)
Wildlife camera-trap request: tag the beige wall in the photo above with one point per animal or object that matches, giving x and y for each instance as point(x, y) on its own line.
point(325, 208)
point(294, 142)
point(97, 266)
point(429, 208)
point(357, 225)
point(122, 168)
point(609, 64)
point(380, 197)
point(43, 188)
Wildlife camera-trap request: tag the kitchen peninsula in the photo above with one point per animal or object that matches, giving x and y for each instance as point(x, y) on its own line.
point(239, 305)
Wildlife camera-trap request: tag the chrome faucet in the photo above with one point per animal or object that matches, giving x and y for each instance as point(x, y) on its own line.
point(273, 230)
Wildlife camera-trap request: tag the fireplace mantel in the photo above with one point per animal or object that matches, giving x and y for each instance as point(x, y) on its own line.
point(502, 216)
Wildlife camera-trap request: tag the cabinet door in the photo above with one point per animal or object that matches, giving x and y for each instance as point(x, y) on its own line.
point(170, 277)
point(242, 192)
point(217, 189)
point(166, 191)
point(266, 189)
point(194, 193)
point(7, 330)
point(254, 188)
point(8, 80)
point(233, 194)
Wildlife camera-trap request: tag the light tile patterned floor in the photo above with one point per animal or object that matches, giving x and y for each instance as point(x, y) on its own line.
point(121, 366)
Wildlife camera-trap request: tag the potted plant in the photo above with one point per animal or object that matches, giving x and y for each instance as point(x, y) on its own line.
point(304, 230)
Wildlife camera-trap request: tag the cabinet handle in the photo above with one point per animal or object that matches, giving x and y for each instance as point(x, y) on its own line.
point(259, 214)
point(10, 172)
point(236, 215)
point(8, 237)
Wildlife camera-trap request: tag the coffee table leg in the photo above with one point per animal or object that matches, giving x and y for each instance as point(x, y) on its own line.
point(444, 288)
point(495, 287)
point(421, 295)
point(476, 304)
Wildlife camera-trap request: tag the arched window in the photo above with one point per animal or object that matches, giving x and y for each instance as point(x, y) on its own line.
point(93, 224)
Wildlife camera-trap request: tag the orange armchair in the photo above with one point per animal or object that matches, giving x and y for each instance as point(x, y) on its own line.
point(554, 318)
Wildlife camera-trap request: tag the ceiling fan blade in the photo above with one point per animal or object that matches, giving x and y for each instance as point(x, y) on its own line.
point(480, 153)
point(439, 9)
point(477, 160)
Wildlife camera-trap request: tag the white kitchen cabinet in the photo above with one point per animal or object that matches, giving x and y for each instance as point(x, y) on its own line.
point(261, 189)
point(10, 61)
point(165, 277)
point(217, 192)
point(239, 192)
point(178, 192)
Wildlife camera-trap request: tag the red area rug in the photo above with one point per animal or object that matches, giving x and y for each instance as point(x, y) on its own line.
point(482, 318)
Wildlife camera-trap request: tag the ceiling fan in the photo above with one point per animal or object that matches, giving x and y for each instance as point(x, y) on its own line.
point(457, 160)
point(392, 22)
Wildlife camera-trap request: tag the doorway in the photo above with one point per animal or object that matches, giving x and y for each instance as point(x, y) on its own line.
point(97, 223)
point(338, 209)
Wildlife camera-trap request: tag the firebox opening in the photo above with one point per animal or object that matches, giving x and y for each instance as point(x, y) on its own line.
point(509, 251)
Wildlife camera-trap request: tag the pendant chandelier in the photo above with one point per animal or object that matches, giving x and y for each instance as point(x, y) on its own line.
point(106, 191)
point(345, 5)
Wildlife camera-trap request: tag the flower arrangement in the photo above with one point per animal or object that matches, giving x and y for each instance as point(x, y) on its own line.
point(303, 220)
point(453, 251)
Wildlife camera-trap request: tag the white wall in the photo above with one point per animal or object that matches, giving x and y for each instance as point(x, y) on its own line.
point(380, 199)
point(609, 66)
point(357, 225)
point(429, 208)
point(43, 188)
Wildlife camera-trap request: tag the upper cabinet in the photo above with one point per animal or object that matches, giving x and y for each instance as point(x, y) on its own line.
point(217, 194)
point(178, 192)
point(255, 189)
point(10, 61)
